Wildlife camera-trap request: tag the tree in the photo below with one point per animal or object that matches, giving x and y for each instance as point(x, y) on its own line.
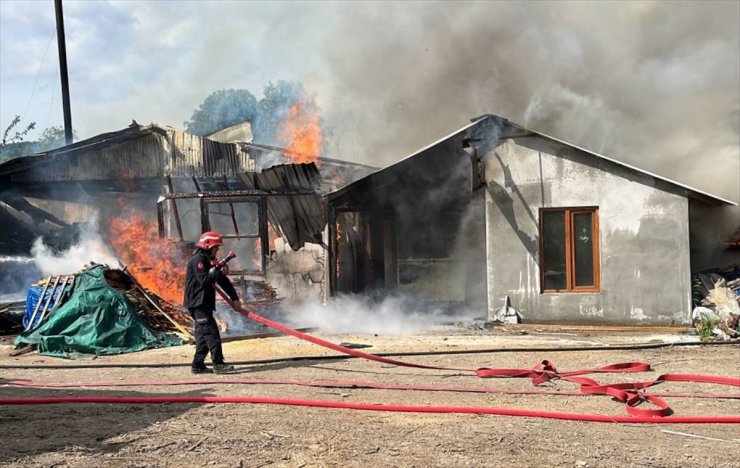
point(222, 109)
point(14, 146)
point(273, 108)
point(19, 134)
point(52, 138)
point(228, 107)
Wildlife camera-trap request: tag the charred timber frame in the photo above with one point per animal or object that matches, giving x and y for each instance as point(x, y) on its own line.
point(332, 257)
point(205, 198)
point(174, 207)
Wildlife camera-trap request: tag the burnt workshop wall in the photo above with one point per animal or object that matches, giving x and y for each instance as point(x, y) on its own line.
point(440, 231)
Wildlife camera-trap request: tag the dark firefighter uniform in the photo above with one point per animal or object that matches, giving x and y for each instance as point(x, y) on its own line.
point(200, 300)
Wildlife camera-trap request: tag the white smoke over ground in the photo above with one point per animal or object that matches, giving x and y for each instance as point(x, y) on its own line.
point(18, 273)
point(389, 316)
point(72, 260)
point(89, 248)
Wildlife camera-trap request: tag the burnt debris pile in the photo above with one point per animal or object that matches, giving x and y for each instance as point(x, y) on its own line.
point(716, 299)
point(98, 310)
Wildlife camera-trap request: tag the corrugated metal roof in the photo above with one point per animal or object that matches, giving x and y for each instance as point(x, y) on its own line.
point(237, 133)
point(135, 152)
point(300, 217)
point(335, 173)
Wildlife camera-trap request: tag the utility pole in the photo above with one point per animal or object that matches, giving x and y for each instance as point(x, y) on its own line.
point(63, 71)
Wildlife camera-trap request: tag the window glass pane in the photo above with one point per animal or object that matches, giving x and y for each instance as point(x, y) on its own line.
point(248, 251)
point(553, 240)
point(583, 247)
point(247, 219)
point(248, 254)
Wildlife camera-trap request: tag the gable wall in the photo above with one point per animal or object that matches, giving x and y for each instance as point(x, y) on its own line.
point(643, 236)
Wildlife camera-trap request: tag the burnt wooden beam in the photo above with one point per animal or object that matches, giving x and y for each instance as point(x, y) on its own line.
point(174, 207)
point(21, 204)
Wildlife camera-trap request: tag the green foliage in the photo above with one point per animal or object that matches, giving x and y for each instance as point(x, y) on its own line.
point(274, 108)
point(13, 146)
point(19, 135)
point(16, 150)
point(222, 109)
point(232, 106)
point(705, 327)
point(52, 138)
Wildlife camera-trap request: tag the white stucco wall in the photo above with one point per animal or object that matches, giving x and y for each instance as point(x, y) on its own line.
point(643, 236)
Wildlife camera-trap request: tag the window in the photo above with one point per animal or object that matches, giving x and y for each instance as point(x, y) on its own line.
point(569, 249)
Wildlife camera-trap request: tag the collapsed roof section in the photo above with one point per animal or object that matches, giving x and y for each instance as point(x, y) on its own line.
point(138, 161)
point(301, 218)
point(335, 173)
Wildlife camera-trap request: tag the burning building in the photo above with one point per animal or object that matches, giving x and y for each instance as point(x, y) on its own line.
point(492, 217)
point(496, 216)
point(112, 182)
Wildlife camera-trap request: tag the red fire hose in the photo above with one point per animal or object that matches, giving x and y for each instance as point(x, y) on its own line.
point(376, 407)
point(632, 394)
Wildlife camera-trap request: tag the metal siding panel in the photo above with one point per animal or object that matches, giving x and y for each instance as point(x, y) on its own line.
point(145, 156)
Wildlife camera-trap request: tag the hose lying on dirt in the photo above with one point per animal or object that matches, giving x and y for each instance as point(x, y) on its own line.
point(396, 354)
point(632, 394)
point(376, 407)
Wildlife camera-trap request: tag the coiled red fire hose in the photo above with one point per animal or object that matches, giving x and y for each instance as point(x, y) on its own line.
point(632, 394)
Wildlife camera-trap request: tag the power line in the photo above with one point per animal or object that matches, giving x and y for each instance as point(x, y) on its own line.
point(41, 66)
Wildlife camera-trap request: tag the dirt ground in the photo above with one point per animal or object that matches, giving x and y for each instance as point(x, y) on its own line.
point(252, 435)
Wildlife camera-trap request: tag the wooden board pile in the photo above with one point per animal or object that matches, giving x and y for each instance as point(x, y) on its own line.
point(259, 297)
point(160, 314)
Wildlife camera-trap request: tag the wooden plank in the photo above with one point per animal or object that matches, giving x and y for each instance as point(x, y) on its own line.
point(48, 301)
point(38, 304)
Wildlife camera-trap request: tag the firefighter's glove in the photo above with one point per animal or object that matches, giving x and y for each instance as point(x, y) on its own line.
point(214, 273)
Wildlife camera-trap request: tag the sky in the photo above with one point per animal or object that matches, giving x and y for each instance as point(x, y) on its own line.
point(653, 84)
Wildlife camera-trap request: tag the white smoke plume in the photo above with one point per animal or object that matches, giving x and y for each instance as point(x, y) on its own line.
point(90, 248)
point(18, 273)
point(391, 315)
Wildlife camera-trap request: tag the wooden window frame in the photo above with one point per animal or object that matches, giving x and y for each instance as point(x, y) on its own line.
point(569, 250)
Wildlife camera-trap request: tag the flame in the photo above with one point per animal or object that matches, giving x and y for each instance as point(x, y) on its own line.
point(337, 263)
point(301, 131)
point(256, 260)
point(158, 264)
point(272, 234)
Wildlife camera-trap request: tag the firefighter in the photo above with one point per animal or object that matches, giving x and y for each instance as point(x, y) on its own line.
point(200, 300)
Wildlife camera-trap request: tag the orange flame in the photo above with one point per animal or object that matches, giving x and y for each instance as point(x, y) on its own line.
point(301, 131)
point(158, 264)
point(339, 237)
point(273, 235)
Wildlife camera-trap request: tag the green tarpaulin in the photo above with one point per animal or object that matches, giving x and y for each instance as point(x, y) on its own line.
point(96, 319)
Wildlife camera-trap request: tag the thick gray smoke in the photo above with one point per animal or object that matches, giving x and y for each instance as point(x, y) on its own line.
point(654, 84)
